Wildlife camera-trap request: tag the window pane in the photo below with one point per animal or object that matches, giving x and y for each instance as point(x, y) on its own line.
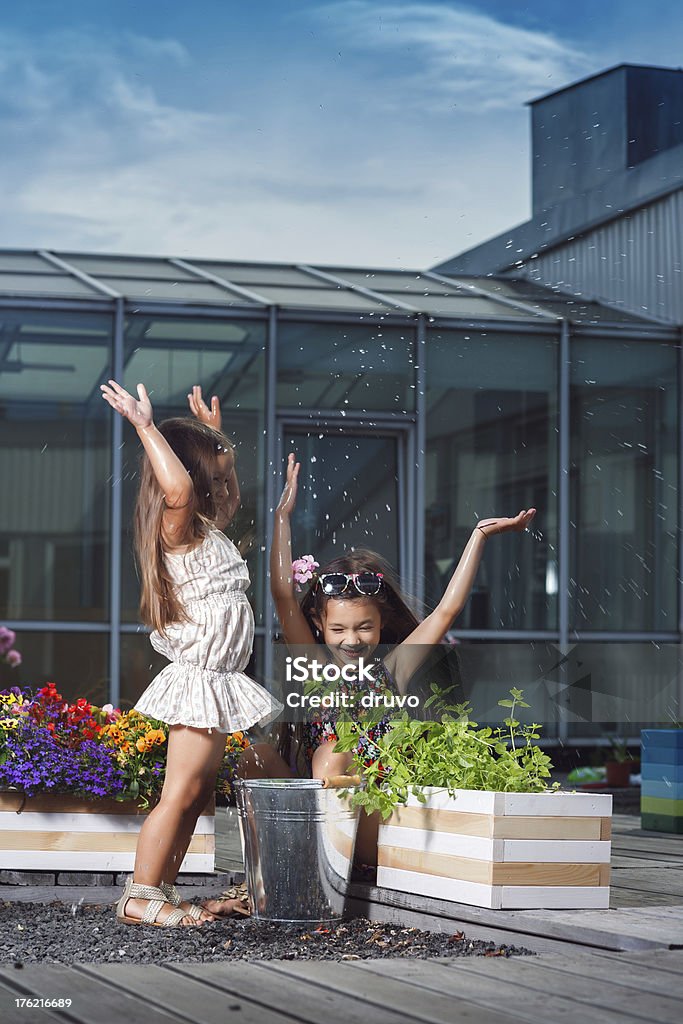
point(97, 266)
point(387, 280)
point(179, 290)
point(227, 359)
point(624, 494)
point(491, 451)
point(55, 461)
point(348, 367)
point(261, 274)
point(319, 298)
point(47, 283)
point(77, 663)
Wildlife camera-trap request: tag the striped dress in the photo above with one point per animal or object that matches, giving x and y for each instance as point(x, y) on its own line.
point(204, 686)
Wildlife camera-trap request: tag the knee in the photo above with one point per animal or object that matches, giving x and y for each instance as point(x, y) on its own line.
point(191, 799)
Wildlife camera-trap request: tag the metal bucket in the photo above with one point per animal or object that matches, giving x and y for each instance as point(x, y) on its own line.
point(298, 843)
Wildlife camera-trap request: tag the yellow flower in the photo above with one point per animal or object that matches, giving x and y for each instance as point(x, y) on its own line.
point(141, 745)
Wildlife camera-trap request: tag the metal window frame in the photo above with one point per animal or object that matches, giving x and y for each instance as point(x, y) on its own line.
point(396, 314)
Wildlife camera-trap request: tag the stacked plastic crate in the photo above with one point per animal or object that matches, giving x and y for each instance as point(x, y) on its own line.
point(661, 801)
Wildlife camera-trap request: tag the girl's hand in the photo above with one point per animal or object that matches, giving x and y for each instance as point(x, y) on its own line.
point(138, 412)
point(489, 527)
point(198, 407)
point(288, 499)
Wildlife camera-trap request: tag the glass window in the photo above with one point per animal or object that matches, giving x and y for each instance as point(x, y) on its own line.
point(47, 283)
point(228, 359)
point(460, 305)
point(179, 290)
point(386, 280)
point(77, 663)
point(491, 451)
point(319, 298)
point(55, 464)
point(624, 494)
point(347, 367)
point(98, 266)
point(18, 262)
point(261, 274)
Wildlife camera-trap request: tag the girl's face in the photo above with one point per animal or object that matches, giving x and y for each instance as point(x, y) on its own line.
point(351, 628)
point(222, 473)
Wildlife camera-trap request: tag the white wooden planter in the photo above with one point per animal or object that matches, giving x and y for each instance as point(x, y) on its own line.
point(500, 850)
point(56, 832)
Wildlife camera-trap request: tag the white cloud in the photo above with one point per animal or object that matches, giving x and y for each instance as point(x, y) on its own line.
point(448, 55)
point(99, 153)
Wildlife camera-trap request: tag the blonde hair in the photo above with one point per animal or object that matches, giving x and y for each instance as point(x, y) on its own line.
point(197, 445)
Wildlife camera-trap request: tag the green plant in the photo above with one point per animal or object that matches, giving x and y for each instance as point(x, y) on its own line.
point(618, 750)
point(450, 751)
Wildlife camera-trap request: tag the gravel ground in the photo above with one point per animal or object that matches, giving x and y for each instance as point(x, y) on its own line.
point(63, 933)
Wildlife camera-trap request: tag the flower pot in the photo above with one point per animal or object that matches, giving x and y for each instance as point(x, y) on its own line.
point(618, 773)
point(500, 850)
point(58, 832)
point(661, 770)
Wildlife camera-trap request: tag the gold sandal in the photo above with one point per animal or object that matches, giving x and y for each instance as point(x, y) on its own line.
point(156, 900)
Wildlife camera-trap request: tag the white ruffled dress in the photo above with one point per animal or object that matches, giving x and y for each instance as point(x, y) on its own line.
point(205, 686)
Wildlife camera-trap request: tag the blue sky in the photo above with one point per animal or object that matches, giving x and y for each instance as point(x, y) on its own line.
point(358, 132)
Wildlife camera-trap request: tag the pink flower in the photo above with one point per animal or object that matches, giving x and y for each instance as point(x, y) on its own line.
point(7, 638)
point(303, 569)
point(13, 658)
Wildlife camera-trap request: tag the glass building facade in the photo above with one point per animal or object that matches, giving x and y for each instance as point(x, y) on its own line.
point(416, 403)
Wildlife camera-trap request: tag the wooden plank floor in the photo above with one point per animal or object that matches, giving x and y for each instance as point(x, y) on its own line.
point(592, 988)
point(573, 982)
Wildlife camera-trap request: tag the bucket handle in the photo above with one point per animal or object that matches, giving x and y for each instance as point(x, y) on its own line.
point(340, 781)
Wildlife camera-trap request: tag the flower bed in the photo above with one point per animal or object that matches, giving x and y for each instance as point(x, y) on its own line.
point(50, 746)
point(77, 782)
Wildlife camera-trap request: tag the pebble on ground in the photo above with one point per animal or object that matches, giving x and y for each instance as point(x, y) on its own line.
point(70, 933)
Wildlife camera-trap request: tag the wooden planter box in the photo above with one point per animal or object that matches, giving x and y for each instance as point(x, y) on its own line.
point(57, 832)
point(661, 787)
point(500, 850)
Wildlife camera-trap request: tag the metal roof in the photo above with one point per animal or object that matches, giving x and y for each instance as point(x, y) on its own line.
point(74, 276)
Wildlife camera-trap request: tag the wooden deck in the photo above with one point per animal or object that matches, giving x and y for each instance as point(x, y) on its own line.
point(608, 967)
point(595, 988)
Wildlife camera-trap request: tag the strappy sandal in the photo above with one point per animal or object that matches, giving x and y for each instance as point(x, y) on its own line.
point(235, 892)
point(156, 900)
point(173, 896)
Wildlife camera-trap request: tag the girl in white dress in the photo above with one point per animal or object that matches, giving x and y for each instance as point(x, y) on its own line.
point(193, 583)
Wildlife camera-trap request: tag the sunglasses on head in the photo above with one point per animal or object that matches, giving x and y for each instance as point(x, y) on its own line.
point(335, 583)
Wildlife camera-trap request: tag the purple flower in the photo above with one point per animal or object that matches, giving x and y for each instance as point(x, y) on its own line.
point(7, 638)
point(13, 658)
point(34, 762)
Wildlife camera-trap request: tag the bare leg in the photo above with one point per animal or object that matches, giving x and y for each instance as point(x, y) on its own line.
point(326, 762)
point(261, 761)
point(194, 756)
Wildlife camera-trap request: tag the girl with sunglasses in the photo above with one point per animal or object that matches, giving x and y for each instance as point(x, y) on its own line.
point(354, 606)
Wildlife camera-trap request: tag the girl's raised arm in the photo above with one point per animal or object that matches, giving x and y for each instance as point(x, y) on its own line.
point(294, 626)
point(172, 477)
point(434, 627)
point(213, 417)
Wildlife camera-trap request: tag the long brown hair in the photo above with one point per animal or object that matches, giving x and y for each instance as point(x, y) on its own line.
point(197, 446)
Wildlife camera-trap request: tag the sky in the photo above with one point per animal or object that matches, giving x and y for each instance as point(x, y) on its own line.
point(352, 132)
